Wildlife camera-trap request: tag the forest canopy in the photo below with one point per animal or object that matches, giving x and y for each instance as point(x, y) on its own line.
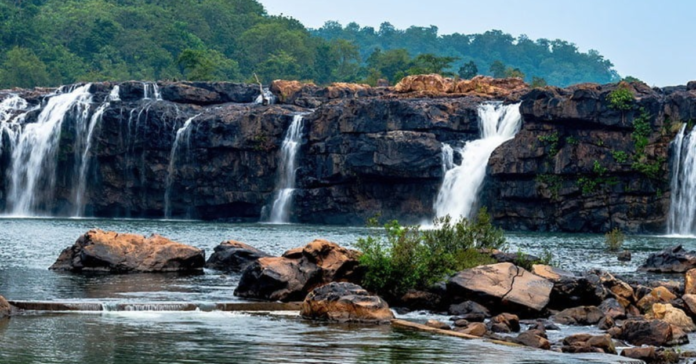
point(54, 42)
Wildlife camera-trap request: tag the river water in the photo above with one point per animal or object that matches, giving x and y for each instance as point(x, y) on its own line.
point(29, 246)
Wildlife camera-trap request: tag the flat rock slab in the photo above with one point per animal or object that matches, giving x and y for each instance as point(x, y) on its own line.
point(111, 252)
point(505, 281)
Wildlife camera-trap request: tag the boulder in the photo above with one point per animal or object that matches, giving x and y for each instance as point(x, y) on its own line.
point(690, 282)
point(345, 302)
point(582, 315)
point(578, 291)
point(645, 353)
point(586, 343)
point(605, 323)
point(624, 256)
point(437, 325)
point(502, 282)
point(613, 309)
point(690, 302)
point(298, 271)
point(475, 329)
point(652, 332)
point(672, 315)
point(233, 256)
point(657, 295)
point(507, 319)
point(5, 308)
point(469, 307)
point(532, 339)
point(671, 260)
point(553, 274)
point(106, 251)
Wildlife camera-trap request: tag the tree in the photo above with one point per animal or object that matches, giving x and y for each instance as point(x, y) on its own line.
point(514, 72)
point(468, 70)
point(22, 68)
point(430, 63)
point(538, 82)
point(206, 65)
point(498, 69)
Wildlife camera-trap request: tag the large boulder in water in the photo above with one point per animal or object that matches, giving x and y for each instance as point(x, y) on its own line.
point(345, 302)
point(671, 260)
point(653, 332)
point(292, 276)
point(502, 283)
point(233, 256)
point(107, 251)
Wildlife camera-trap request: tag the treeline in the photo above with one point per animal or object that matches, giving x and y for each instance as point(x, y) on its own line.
point(53, 42)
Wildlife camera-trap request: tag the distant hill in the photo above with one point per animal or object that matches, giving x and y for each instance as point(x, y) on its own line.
point(53, 42)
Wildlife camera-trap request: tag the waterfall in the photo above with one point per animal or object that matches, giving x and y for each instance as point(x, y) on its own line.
point(682, 211)
point(155, 91)
point(8, 109)
point(280, 213)
point(458, 194)
point(183, 134)
point(85, 158)
point(266, 94)
point(35, 155)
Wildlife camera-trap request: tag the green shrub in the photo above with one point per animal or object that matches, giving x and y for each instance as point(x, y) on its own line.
point(406, 257)
point(614, 240)
point(621, 99)
point(620, 156)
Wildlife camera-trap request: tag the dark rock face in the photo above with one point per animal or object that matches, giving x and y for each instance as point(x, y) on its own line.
point(671, 260)
point(583, 315)
point(100, 251)
point(654, 332)
point(345, 302)
point(292, 276)
point(233, 256)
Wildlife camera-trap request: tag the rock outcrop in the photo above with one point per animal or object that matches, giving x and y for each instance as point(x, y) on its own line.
point(345, 302)
point(501, 283)
point(292, 276)
point(671, 260)
point(111, 252)
point(233, 256)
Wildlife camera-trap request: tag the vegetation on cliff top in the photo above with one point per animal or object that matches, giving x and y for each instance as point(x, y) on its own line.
point(52, 42)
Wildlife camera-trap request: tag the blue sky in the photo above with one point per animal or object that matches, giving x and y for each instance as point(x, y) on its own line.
point(652, 40)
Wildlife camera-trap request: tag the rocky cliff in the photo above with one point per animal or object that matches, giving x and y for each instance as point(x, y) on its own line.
point(573, 166)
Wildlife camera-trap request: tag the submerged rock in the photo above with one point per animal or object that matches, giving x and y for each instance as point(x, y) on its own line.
point(292, 276)
point(345, 302)
point(233, 256)
point(534, 339)
point(107, 251)
point(437, 325)
point(671, 260)
point(646, 354)
point(503, 282)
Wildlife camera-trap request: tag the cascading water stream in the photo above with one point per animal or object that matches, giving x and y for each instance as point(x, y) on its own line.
point(183, 134)
point(155, 91)
point(682, 210)
point(265, 95)
point(458, 195)
point(9, 107)
point(85, 158)
point(34, 157)
point(280, 213)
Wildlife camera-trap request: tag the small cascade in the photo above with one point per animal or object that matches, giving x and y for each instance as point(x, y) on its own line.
point(280, 213)
point(9, 108)
point(149, 307)
point(85, 157)
point(35, 156)
point(266, 95)
point(682, 210)
point(150, 90)
point(459, 191)
point(183, 136)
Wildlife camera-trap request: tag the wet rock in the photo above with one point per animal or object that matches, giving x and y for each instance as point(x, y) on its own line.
point(671, 315)
point(421, 300)
point(298, 271)
point(578, 291)
point(582, 315)
point(345, 302)
point(532, 339)
point(101, 251)
point(475, 328)
point(461, 323)
point(671, 260)
point(498, 327)
point(5, 308)
point(615, 332)
point(605, 323)
point(653, 332)
point(502, 282)
point(657, 295)
point(542, 325)
point(624, 256)
point(437, 324)
point(507, 319)
point(233, 256)
point(469, 307)
point(613, 309)
point(586, 343)
point(646, 354)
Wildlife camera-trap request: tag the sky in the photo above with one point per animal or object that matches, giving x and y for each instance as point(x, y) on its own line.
point(652, 40)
